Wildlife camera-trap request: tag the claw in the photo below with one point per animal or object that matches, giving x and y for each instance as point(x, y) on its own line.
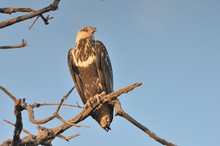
point(88, 103)
point(97, 97)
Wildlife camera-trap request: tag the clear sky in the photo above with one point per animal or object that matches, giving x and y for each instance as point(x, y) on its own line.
point(172, 46)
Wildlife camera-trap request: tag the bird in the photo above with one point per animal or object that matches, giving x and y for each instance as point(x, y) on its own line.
point(91, 70)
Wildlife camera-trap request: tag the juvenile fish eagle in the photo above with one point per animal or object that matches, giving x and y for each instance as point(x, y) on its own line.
point(91, 70)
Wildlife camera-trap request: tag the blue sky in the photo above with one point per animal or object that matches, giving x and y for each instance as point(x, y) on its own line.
point(173, 47)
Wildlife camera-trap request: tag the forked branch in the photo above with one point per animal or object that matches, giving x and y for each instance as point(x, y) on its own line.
point(52, 7)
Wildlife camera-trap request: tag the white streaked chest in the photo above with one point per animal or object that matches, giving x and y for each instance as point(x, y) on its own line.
point(84, 63)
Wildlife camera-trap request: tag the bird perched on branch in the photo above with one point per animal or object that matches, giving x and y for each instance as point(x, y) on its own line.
point(91, 70)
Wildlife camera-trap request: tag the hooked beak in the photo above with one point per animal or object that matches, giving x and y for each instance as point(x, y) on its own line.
point(93, 30)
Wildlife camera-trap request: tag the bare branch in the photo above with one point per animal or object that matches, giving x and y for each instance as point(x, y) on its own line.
point(32, 119)
point(14, 10)
point(58, 108)
point(46, 20)
point(39, 12)
point(67, 138)
point(64, 98)
point(23, 44)
point(35, 20)
point(8, 93)
point(53, 104)
point(19, 106)
point(123, 114)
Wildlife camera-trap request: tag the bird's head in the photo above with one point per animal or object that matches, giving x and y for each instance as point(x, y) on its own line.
point(86, 32)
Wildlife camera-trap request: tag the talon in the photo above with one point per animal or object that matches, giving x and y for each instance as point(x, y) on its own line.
point(88, 103)
point(103, 93)
point(97, 97)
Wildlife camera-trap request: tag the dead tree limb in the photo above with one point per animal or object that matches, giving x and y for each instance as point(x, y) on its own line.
point(14, 10)
point(120, 112)
point(23, 44)
point(19, 106)
point(51, 7)
point(46, 135)
point(54, 104)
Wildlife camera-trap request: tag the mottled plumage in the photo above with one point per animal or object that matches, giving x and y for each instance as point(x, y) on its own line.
point(91, 70)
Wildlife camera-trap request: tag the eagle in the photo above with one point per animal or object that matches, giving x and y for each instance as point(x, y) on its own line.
point(91, 71)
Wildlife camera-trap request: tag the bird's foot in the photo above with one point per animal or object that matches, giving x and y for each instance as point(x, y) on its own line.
point(95, 99)
point(88, 103)
point(97, 96)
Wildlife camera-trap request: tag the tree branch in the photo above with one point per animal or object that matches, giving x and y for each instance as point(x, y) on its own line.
point(8, 93)
point(52, 7)
point(23, 44)
point(120, 112)
point(14, 10)
point(19, 106)
point(53, 104)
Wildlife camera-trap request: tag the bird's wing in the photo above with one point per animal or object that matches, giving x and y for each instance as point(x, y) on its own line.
point(104, 67)
point(76, 76)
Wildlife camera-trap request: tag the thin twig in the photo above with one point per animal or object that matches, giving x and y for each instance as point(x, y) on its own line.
point(64, 98)
point(23, 44)
point(67, 138)
point(58, 108)
point(46, 20)
point(27, 132)
point(35, 20)
point(53, 104)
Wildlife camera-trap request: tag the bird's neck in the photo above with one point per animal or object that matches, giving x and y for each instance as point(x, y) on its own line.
point(83, 35)
point(83, 42)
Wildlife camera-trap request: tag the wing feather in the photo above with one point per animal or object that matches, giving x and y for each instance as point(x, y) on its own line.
point(104, 67)
point(76, 76)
